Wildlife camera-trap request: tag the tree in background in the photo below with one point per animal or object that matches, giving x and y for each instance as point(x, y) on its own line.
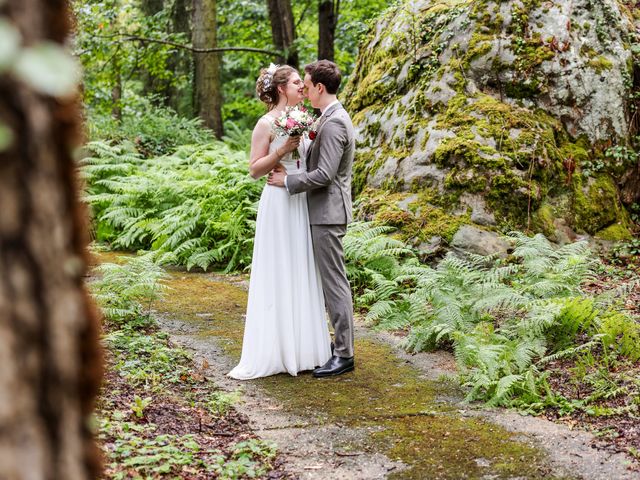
point(283, 30)
point(146, 60)
point(208, 97)
point(327, 22)
point(49, 348)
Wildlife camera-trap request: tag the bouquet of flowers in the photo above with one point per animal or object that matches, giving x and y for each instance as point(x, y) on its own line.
point(295, 121)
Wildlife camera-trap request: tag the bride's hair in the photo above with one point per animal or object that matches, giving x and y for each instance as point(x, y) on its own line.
point(269, 81)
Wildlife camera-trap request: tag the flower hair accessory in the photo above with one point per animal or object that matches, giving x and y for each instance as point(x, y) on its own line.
point(268, 76)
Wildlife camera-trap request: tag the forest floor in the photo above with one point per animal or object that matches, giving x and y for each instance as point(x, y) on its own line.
point(397, 416)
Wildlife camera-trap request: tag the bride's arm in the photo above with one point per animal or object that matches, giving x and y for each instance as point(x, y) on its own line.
point(261, 161)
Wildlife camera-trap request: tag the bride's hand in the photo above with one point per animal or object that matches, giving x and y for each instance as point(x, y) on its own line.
point(291, 144)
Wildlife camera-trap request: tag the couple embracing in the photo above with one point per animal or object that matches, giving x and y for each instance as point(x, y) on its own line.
point(298, 267)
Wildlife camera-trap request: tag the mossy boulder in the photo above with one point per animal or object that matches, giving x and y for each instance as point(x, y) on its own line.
point(505, 103)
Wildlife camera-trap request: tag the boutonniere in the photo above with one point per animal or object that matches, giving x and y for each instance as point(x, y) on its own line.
point(313, 130)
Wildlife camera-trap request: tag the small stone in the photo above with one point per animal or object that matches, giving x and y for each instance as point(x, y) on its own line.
point(482, 462)
point(481, 242)
point(433, 245)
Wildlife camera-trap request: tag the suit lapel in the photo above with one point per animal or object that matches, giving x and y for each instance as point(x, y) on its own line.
point(334, 108)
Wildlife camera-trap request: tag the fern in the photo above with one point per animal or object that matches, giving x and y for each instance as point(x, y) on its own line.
point(199, 199)
point(125, 292)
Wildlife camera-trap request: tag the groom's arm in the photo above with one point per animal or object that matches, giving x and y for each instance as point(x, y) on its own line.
point(334, 138)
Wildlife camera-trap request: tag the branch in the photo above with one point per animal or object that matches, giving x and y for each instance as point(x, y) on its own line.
point(125, 37)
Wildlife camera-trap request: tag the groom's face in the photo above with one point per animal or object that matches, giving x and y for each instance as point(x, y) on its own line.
point(311, 91)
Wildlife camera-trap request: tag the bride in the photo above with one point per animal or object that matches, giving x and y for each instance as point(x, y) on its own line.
point(285, 328)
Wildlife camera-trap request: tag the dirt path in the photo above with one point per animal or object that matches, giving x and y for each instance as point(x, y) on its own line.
point(396, 416)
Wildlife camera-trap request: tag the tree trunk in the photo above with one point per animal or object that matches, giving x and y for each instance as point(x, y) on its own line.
point(116, 90)
point(181, 62)
point(327, 22)
point(150, 84)
point(151, 7)
point(49, 350)
point(283, 30)
point(208, 97)
point(631, 185)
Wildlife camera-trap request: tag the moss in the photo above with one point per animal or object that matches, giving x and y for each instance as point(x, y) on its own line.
point(372, 130)
point(595, 203)
point(616, 232)
point(417, 221)
point(468, 180)
point(517, 172)
point(587, 51)
point(466, 150)
point(457, 442)
point(384, 396)
point(368, 162)
point(375, 85)
point(479, 45)
point(511, 198)
point(543, 220)
point(600, 64)
point(520, 90)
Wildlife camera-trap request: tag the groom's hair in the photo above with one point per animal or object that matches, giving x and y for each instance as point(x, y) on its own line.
point(326, 73)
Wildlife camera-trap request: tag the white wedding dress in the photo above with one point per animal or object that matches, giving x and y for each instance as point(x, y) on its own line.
point(285, 327)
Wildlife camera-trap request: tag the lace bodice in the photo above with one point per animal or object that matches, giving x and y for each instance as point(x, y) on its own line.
point(291, 165)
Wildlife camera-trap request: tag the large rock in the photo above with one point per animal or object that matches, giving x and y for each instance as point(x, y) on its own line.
point(499, 110)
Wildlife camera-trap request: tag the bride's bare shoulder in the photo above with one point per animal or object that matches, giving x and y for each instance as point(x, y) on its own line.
point(263, 127)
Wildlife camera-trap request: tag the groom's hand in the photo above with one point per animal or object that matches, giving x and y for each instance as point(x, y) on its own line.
point(276, 177)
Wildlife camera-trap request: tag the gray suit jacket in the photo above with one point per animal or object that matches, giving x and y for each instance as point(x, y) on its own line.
point(327, 180)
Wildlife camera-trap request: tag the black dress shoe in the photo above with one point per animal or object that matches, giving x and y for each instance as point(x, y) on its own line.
point(335, 366)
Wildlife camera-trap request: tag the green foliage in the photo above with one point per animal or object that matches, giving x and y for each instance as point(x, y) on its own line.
point(137, 448)
point(622, 333)
point(249, 459)
point(504, 320)
point(369, 252)
point(146, 359)
point(220, 402)
point(122, 290)
point(149, 455)
point(139, 405)
point(111, 59)
point(196, 207)
point(149, 129)
point(45, 66)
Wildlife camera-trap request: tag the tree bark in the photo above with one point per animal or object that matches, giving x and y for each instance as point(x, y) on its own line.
point(283, 30)
point(208, 97)
point(49, 350)
point(180, 62)
point(151, 7)
point(151, 84)
point(631, 185)
point(116, 90)
point(327, 22)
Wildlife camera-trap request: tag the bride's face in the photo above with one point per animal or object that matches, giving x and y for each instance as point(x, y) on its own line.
point(293, 90)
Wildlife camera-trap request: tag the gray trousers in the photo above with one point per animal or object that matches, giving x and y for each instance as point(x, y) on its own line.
point(329, 256)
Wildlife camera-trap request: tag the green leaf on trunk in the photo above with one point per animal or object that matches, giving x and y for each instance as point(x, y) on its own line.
point(9, 43)
point(6, 137)
point(48, 68)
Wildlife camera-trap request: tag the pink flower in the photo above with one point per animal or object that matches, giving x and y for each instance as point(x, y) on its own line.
point(291, 123)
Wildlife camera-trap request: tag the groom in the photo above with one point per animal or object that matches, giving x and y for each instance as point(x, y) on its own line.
point(327, 182)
